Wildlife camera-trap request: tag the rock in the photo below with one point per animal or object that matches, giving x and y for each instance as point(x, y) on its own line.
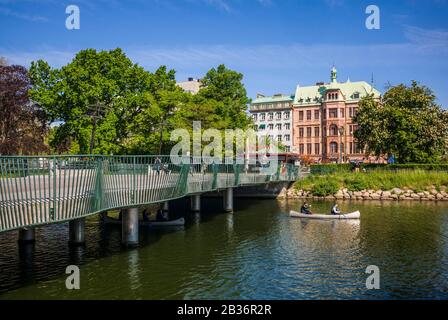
point(386, 194)
point(394, 196)
point(431, 197)
point(439, 196)
point(375, 196)
point(415, 196)
point(357, 194)
point(434, 192)
point(397, 191)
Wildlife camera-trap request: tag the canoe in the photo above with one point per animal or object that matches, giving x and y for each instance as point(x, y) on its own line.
point(172, 223)
point(353, 215)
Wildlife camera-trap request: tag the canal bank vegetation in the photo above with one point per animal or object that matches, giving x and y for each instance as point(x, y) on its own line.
point(374, 184)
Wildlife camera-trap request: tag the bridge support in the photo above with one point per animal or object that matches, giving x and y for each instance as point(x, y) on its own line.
point(77, 231)
point(129, 228)
point(166, 206)
point(27, 235)
point(228, 200)
point(196, 203)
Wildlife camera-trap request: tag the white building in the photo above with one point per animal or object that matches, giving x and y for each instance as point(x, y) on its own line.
point(273, 117)
point(192, 85)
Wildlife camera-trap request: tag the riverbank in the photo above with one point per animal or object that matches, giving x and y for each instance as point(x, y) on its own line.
point(374, 185)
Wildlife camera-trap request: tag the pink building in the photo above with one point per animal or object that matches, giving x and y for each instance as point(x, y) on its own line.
point(322, 119)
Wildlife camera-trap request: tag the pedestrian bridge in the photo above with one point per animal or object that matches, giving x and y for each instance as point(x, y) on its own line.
point(42, 190)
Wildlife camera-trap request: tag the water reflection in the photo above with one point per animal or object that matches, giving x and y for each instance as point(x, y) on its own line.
point(258, 252)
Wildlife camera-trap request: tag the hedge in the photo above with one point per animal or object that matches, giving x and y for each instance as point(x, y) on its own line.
point(347, 167)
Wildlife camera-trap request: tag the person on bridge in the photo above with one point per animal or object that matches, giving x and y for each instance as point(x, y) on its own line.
point(335, 210)
point(157, 165)
point(305, 209)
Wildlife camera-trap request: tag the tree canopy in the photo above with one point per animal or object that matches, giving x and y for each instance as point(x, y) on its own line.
point(406, 123)
point(23, 125)
point(109, 105)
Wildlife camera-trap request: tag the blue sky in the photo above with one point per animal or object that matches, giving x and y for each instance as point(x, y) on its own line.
point(276, 44)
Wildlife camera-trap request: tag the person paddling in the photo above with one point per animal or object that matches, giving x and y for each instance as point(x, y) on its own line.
point(305, 209)
point(335, 210)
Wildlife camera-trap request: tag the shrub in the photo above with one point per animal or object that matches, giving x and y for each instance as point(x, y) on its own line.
point(325, 188)
point(356, 183)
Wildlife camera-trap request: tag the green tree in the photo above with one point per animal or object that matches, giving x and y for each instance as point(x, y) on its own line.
point(225, 88)
point(407, 123)
point(95, 96)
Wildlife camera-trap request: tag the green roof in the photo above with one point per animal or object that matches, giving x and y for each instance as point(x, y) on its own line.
point(274, 99)
point(315, 94)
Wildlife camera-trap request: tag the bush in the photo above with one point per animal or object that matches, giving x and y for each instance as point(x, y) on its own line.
point(356, 183)
point(330, 168)
point(325, 188)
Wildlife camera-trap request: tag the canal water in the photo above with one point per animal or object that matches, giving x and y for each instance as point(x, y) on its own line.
point(258, 252)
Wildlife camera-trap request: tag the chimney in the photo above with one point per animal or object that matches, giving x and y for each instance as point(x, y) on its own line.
point(190, 79)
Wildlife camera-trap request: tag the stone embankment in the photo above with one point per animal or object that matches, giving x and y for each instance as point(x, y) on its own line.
point(434, 194)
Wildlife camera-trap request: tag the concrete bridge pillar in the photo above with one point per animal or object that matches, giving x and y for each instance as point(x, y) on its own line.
point(77, 231)
point(228, 200)
point(129, 227)
point(27, 235)
point(166, 206)
point(196, 203)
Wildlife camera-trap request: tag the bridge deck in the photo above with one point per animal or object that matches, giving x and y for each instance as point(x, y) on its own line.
point(42, 190)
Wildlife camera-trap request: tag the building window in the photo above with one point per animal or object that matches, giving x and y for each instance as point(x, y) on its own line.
point(270, 116)
point(287, 137)
point(355, 112)
point(333, 130)
point(316, 131)
point(278, 126)
point(262, 116)
point(301, 115)
point(333, 96)
point(356, 95)
point(357, 148)
point(288, 149)
point(333, 147)
point(308, 132)
point(279, 138)
point(286, 115)
point(278, 116)
point(255, 117)
point(308, 115)
point(301, 132)
point(308, 148)
point(333, 113)
point(317, 148)
point(342, 113)
point(262, 127)
point(301, 148)
point(316, 114)
point(287, 126)
point(271, 126)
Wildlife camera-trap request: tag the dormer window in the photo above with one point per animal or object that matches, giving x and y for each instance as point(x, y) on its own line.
point(333, 96)
point(356, 95)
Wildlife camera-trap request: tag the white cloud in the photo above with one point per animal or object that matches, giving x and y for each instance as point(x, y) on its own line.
point(22, 16)
point(427, 38)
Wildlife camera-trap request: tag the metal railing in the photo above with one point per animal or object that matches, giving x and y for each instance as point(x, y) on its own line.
point(42, 190)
